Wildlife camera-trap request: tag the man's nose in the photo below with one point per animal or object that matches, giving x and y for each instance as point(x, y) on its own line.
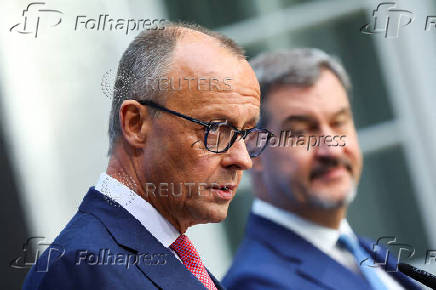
point(238, 156)
point(328, 146)
point(328, 150)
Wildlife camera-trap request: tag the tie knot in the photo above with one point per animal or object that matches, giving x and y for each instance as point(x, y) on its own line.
point(181, 240)
point(347, 242)
point(360, 255)
point(192, 261)
point(185, 249)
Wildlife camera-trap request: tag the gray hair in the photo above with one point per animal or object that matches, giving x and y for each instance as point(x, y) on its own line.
point(149, 57)
point(299, 67)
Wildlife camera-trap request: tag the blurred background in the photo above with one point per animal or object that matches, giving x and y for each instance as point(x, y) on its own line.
point(54, 114)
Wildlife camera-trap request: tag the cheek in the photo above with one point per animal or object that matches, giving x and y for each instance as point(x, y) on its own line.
point(303, 164)
point(168, 154)
point(353, 150)
point(203, 166)
point(290, 163)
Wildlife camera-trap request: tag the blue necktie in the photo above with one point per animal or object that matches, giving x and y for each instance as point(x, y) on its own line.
point(360, 255)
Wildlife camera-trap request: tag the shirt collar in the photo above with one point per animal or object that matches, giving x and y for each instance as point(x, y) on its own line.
point(143, 211)
point(321, 237)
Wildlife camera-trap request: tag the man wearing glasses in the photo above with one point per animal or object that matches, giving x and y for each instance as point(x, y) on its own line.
point(125, 236)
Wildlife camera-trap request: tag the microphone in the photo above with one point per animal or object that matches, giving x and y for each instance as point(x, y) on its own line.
point(419, 275)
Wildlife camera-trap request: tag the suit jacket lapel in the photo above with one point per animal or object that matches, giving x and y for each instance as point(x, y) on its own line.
point(131, 235)
point(312, 263)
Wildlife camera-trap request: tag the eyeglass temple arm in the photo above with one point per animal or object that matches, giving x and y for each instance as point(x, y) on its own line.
point(161, 108)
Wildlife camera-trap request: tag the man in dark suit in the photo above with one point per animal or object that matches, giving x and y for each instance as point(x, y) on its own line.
point(176, 160)
point(297, 235)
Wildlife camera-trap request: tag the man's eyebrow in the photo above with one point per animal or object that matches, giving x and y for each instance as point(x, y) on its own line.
point(299, 118)
point(232, 121)
point(343, 111)
point(309, 119)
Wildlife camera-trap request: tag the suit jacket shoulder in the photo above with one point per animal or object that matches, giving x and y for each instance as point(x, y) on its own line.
point(105, 247)
point(273, 257)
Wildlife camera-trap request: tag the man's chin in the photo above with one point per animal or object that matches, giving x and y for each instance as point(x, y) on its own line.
point(326, 203)
point(219, 214)
point(214, 213)
point(331, 200)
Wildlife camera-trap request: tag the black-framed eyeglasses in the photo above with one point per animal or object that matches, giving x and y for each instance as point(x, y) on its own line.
point(219, 136)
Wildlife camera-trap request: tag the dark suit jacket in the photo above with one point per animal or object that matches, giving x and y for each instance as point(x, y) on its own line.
point(105, 247)
point(273, 257)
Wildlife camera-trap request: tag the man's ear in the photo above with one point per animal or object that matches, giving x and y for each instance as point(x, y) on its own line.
point(134, 122)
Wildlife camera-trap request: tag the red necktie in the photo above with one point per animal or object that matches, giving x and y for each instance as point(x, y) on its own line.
point(191, 259)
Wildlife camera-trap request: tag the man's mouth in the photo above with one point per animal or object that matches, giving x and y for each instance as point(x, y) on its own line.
point(224, 191)
point(330, 172)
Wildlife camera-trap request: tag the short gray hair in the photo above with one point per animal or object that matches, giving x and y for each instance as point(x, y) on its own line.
point(149, 57)
point(299, 67)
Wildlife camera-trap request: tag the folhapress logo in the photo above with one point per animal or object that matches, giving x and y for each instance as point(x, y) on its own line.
point(391, 249)
point(35, 15)
point(388, 20)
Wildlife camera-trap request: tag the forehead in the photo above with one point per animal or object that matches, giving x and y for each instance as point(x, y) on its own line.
point(199, 56)
point(325, 97)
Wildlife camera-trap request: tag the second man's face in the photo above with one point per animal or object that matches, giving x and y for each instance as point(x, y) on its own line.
point(317, 162)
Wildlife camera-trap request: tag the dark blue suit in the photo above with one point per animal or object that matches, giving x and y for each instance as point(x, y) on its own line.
point(93, 249)
point(273, 257)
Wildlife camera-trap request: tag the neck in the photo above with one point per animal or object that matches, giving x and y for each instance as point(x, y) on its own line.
point(329, 218)
point(124, 173)
point(122, 167)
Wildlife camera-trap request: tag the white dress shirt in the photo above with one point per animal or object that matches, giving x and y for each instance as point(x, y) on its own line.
point(143, 211)
point(325, 239)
